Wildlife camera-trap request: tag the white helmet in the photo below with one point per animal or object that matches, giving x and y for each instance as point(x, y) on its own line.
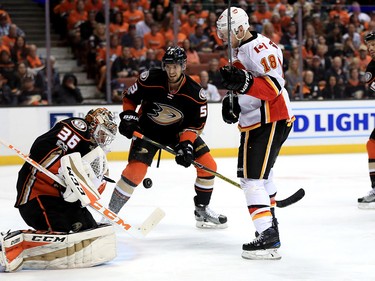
point(238, 18)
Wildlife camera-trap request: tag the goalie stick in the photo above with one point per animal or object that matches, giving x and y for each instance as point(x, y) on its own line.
point(295, 197)
point(136, 231)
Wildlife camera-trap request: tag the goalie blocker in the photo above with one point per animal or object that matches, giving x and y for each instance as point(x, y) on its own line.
point(28, 249)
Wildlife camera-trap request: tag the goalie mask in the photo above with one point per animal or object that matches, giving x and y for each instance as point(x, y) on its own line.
point(238, 18)
point(103, 127)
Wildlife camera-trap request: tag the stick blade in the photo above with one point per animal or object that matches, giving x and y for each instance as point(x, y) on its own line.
point(151, 222)
point(294, 198)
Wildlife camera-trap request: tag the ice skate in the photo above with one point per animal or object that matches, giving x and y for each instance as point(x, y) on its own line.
point(206, 218)
point(368, 201)
point(264, 247)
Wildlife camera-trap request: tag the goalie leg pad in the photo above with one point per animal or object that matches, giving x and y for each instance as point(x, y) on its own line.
point(43, 250)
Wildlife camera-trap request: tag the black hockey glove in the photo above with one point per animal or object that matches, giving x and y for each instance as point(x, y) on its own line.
point(184, 153)
point(228, 116)
point(129, 123)
point(236, 79)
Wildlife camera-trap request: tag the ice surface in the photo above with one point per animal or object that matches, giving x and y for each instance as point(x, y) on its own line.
point(323, 237)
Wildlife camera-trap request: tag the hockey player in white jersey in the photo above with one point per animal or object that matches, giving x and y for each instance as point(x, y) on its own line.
point(260, 104)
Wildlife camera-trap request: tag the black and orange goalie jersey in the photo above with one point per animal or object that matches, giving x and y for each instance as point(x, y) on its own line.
point(164, 114)
point(67, 136)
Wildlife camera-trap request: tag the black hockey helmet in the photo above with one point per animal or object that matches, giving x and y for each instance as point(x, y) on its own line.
point(175, 55)
point(370, 36)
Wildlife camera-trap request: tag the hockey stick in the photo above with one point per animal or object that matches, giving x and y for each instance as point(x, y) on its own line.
point(135, 231)
point(295, 197)
point(229, 27)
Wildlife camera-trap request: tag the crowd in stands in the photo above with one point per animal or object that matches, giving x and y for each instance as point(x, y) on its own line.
point(333, 54)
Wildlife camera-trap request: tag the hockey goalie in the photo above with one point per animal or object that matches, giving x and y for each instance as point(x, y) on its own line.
point(64, 233)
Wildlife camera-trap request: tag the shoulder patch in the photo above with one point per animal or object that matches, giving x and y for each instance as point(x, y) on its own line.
point(79, 125)
point(368, 77)
point(202, 94)
point(144, 75)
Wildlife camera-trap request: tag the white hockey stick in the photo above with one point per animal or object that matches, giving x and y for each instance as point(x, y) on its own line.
point(135, 231)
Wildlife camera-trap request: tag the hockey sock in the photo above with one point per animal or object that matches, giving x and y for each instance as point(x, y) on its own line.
point(203, 189)
point(118, 200)
point(371, 160)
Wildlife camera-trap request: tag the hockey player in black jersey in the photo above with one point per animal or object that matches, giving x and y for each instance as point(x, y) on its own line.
point(40, 200)
point(173, 112)
point(368, 201)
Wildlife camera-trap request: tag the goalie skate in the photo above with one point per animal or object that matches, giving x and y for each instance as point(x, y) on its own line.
point(368, 201)
point(264, 247)
point(206, 218)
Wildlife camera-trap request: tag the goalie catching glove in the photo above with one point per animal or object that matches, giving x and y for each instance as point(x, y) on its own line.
point(184, 153)
point(230, 113)
point(236, 79)
point(129, 123)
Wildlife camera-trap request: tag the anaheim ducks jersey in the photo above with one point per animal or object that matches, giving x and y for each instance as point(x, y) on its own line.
point(267, 99)
point(165, 114)
point(67, 136)
point(370, 77)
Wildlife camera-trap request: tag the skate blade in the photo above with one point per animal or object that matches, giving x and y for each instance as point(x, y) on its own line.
point(366, 206)
point(210, 225)
point(268, 254)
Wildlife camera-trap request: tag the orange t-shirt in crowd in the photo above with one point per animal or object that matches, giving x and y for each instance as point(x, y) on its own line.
point(65, 7)
point(9, 42)
point(76, 17)
point(187, 29)
point(119, 4)
point(133, 17)
point(4, 47)
point(138, 53)
point(119, 29)
point(154, 41)
point(34, 62)
point(169, 36)
point(89, 6)
point(101, 53)
point(262, 16)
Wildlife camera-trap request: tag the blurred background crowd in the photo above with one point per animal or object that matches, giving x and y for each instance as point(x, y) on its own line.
point(324, 53)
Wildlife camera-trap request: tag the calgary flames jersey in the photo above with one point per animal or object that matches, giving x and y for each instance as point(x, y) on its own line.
point(267, 100)
point(67, 136)
point(165, 114)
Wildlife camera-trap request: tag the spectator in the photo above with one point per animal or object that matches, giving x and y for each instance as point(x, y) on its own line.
point(132, 15)
point(353, 35)
point(332, 91)
point(68, 92)
point(211, 91)
point(21, 72)
point(144, 26)
point(199, 41)
point(33, 60)
point(124, 65)
point(4, 24)
point(191, 53)
point(115, 50)
point(30, 95)
point(94, 5)
point(289, 39)
point(167, 29)
point(119, 26)
point(310, 89)
point(6, 96)
point(7, 68)
point(10, 39)
point(262, 13)
point(364, 58)
point(354, 88)
point(128, 38)
point(20, 50)
point(41, 81)
point(159, 14)
point(337, 70)
point(200, 13)
point(269, 32)
point(118, 86)
point(150, 61)
point(210, 31)
point(155, 40)
point(292, 77)
point(214, 73)
point(318, 70)
point(189, 27)
point(138, 51)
